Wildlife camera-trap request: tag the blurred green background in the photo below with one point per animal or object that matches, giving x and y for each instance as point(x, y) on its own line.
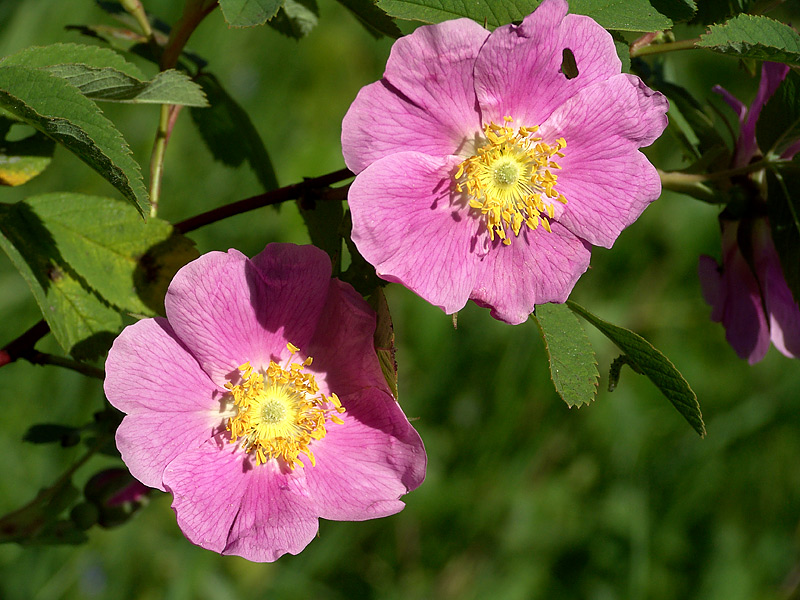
point(524, 498)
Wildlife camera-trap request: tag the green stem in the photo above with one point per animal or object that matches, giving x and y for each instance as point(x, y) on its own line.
point(157, 158)
point(665, 47)
point(134, 7)
point(290, 192)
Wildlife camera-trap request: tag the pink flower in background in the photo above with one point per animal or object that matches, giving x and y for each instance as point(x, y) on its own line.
point(748, 292)
point(753, 303)
point(486, 167)
point(260, 405)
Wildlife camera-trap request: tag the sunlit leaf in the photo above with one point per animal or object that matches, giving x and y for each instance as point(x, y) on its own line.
point(647, 359)
point(22, 159)
point(61, 112)
point(573, 367)
point(754, 36)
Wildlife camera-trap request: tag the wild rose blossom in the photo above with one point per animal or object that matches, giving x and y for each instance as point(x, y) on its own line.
point(260, 405)
point(748, 292)
point(486, 170)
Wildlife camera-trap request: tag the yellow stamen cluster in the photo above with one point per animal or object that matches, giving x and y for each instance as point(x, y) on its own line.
point(509, 180)
point(279, 412)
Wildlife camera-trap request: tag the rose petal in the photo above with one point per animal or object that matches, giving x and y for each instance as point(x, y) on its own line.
point(518, 71)
point(229, 310)
point(426, 101)
point(364, 465)
point(537, 267)
point(405, 225)
point(227, 504)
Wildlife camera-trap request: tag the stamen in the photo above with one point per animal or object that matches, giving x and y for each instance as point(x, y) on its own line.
point(509, 180)
point(280, 412)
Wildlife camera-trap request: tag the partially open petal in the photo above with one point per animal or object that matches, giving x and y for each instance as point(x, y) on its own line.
point(426, 100)
point(537, 267)
point(607, 181)
point(226, 504)
point(518, 71)
point(229, 310)
point(406, 226)
point(366, 464)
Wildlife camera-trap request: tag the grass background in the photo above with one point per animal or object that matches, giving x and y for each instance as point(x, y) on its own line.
point(524, 498)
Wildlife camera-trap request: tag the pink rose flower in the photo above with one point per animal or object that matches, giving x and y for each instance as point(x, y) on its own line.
point(260, 405)
point(486, 169)
point(748, 292)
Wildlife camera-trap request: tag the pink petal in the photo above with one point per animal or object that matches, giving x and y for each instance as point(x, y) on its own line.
point(229, 310)
point(343, 347)
point(366, 464)
point(607, 182)
point(406, 226)
point(517, 72)
point(537, 267)
point(229, 505)
point(424, 103)
point(148, 441)
point(783, 310)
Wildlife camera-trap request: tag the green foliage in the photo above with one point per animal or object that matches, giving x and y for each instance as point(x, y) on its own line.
point(60, 111)
point(384, 339)
point(249, 13)
point(621, 15)
point(86, 259)
point(573, 367)
point(22, 159)
point(676, 10)
point(373, 17)
point(229, 133)
point(645, 358)
point(38, 57)
point(783, 205)
point(754, 36)
point(296, 18)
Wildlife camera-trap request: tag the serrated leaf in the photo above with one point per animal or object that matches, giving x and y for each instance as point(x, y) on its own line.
point(384, 339)
point(373, 17)
point(649, 360)
point(622, 15)
point(22, 160)
point(754, 36)
point(296, 18)
point(573, 367)
point(88, 258)
point(230, 134)
point(783, 205)
point(57, 54)
point(110, 85)
point(249, 13)
point(61, 112)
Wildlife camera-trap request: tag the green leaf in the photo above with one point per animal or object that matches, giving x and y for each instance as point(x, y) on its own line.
point(754, 36)
point(61, 112)
point(373, 17)
point(296, 18)
point(324, 223)
point(644, 357)
point(229, 133)
point(249, 13)
point(47, 433)
point(59, 54)
point(624, 53)
point(88, 258)
point(573, 367)
point(622, 15)
point(783, 206)
point(676, 10)
point(110, 85)
point(22, 159)
point(384, 339)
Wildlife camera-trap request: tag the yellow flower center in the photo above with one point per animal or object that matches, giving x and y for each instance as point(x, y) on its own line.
point(510, 179)
point(279, 412)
